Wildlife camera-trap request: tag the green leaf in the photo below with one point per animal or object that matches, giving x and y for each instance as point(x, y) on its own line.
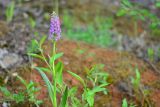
point(58, 56)
point(64, 98)
point(158, 4)
point(103, 85)
point(124, 103)
point(44, 69)
point(30, 85)
point(38, 102)
point(134, 13)
point(35, 55)
point(142, 17)
point(136, 81)
point(33, 47)
point(126, 3)
point(89, 96)
point(97, 89)
point(54, 57)
point(42, 40)
point(48, 83)
point(32, 22)
point(10, 11)
point(122, 12)
point(72, 91)
point(138, 75)
point(90, 93)
point(101, 74)
point(36, 34)
point(144, 12)
point(22, 81)
point(77, 77)
point(59, 70)
point(5, 91)
point(19, 97)
point(153, 25)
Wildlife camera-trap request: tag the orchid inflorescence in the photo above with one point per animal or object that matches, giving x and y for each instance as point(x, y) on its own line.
point(55, 27)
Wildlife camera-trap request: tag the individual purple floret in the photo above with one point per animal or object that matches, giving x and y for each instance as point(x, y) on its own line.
point(55, 27)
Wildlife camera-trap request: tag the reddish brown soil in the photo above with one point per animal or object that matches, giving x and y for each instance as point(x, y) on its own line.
point(120, 67)
point(156, 97)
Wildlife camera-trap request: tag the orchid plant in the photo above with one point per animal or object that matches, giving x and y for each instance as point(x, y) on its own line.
point(56, 85)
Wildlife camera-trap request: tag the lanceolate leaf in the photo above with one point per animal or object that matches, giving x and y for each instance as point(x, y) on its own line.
point(64, 98)
point(35, 55)
point(124, 103)
point(54, 57)
point(58, 56)
point(42, 40)
point(77, 77)
point(97, 89)
point(10, 11)
point(59, 70)
point(22, 81)
point(47, 82)
point(127, 3)
point(44, 69)
point(5, 91)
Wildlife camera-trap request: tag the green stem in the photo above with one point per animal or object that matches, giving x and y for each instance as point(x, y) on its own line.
point(44, 58)
point(56, 5)
point(54, 76)
point(55, 95)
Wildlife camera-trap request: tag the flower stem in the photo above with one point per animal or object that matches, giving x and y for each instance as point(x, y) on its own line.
point(54, 76)
point(56, 5)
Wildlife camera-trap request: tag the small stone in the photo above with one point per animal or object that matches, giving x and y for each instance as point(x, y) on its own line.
point(3, 52)
point(124, 87)
point(9, 59)
point(5, 104)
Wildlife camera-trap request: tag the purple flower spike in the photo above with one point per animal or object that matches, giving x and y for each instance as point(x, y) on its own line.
point(55, 27)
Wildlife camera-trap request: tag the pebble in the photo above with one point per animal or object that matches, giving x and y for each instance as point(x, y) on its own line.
point(124, 87)
point(5, 104)
point(8, 59)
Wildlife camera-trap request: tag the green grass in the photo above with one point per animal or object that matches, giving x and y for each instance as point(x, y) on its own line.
point(97, 32)
point(9, 13)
